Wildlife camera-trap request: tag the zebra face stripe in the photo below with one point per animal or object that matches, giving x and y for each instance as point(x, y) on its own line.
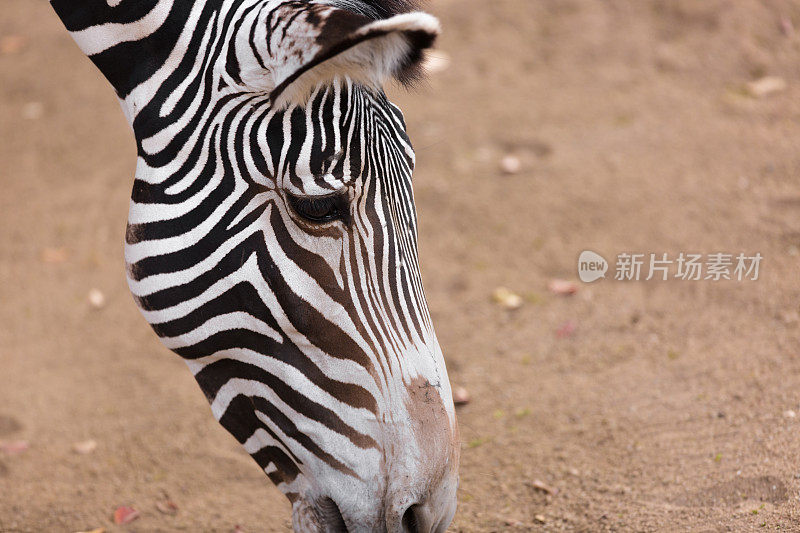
point(311, 338)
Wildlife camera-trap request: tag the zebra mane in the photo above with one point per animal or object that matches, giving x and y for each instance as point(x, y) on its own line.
point(304, 45)
point(377, 9)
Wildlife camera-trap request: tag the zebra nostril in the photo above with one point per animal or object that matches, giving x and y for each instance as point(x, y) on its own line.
point(331, 517)
point(411, 520)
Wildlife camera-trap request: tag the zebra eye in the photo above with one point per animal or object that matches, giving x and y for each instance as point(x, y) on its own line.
point(320, 209)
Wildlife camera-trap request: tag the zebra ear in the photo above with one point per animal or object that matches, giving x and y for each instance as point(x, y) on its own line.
point(365, 50)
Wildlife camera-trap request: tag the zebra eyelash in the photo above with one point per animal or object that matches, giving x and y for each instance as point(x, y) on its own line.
point(321, 209)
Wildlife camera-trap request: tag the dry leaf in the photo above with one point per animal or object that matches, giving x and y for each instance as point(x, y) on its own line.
point(125, 515)
point(167, 507)
point(562, 287)
point(53, 255)
point(505, 298)
point(14, 447)
point(787, 27)
point(95, 530)
point(460, 396)
point(567, 329)
point(85, 447)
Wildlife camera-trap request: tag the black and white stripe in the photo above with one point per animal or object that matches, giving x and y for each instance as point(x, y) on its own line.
point(311, 341)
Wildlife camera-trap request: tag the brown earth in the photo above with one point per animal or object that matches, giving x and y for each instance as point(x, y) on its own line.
point(669, 408)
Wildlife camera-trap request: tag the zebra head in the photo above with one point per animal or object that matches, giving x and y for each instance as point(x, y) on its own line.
point(272, 240)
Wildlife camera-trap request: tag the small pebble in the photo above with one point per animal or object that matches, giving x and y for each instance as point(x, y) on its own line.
point(540, 485)
point(766, 86)
point(85, 447)
point(510, 164)
point(789, 414)
point(96, 298)
point(461, 396)
point(506, 298)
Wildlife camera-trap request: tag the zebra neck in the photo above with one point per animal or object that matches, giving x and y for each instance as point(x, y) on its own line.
point(127, 41)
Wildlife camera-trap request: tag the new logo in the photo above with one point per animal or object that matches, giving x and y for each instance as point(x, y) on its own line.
point(591, 266)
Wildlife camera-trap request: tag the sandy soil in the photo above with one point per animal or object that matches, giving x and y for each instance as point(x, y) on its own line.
point(668, 408)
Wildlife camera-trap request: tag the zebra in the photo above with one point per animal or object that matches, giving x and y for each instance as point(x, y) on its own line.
point(272, 240)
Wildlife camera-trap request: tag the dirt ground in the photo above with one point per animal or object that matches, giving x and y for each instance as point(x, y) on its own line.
point(628, 406)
